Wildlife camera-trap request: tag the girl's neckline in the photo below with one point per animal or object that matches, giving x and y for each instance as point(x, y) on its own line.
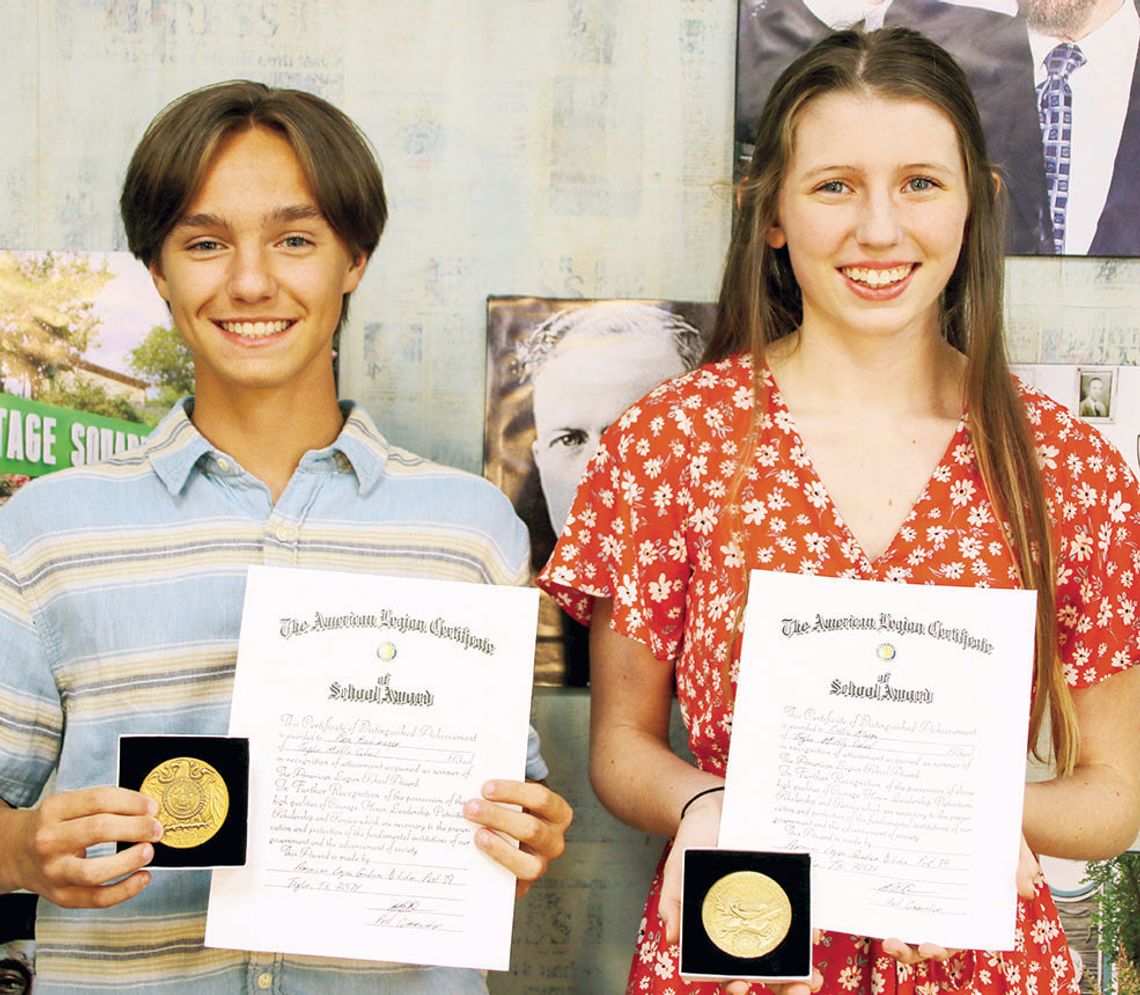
point(878, 564)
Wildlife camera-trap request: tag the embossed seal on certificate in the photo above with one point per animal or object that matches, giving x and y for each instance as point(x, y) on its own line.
point(192, 800)
point(746, 914)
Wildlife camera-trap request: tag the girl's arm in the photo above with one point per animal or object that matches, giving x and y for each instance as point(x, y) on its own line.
point(1094, 812)
point(637, 775)
point(633, 769)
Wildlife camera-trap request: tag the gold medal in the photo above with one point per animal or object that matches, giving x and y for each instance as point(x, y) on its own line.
point(746, 914)
point(192, 800)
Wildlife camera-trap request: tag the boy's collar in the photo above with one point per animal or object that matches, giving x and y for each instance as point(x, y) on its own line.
point(175, 446)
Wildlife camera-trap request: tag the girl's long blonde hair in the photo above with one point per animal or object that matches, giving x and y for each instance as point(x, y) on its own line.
point(760, 302)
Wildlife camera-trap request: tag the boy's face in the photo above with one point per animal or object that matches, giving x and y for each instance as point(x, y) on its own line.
point(254, 275)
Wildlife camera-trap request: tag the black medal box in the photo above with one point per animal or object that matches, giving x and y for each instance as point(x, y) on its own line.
point(746, 914)
point(201, 784)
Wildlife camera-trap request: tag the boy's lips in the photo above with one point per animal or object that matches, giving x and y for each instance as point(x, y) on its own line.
point(257, 329)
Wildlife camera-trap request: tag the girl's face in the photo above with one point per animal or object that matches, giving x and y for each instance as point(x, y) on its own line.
point(873, 211)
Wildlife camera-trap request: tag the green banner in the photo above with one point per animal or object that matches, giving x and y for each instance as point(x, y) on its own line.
point(40, 438)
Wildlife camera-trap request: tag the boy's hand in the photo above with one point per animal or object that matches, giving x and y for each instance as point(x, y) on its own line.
point(46, 847)
point(540, 827)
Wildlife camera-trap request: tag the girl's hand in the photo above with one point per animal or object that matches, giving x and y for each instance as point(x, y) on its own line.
point(1029, 874)
point(904, 953)
point(1028, 877)
point(701, 827)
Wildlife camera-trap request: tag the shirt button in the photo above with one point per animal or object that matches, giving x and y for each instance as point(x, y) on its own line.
point(285, 534)
point(264, 980)
point(223, 464)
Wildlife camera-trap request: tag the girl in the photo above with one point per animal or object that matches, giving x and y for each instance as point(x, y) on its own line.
point(856, 417)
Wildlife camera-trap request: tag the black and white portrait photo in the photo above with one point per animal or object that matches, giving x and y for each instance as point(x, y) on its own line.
point(559, 372)
point(1096, 393)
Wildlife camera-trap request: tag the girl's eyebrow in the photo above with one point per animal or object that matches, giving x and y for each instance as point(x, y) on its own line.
point(923, 167)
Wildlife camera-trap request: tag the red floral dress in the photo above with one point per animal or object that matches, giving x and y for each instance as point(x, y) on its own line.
point(650, 530)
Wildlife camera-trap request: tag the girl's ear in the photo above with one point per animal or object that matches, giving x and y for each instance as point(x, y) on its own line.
point(775, 237)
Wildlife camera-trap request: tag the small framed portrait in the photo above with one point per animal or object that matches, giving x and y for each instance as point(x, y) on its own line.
point(1096, 393)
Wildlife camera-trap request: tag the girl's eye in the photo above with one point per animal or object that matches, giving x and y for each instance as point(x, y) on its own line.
point(833, 186)
point(921, 184)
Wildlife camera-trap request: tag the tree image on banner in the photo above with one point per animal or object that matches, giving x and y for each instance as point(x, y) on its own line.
point(164, 362)
point(47, 317)
point(88, 360)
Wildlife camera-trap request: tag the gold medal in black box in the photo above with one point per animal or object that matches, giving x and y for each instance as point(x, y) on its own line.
point(746, 914)
point(201, 786)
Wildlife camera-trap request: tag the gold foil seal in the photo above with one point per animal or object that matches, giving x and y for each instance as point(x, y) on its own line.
point(746, 914)
point(192, 800)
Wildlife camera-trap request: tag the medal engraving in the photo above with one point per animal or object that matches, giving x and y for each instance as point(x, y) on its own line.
point(746, 914)
point(192, 800)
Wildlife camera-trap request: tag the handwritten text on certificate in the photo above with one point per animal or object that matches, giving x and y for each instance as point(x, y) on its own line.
point(882, 727)
point(374, 708)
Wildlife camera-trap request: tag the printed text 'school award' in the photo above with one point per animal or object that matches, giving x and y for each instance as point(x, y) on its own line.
point(882, 728)
point(375, 707)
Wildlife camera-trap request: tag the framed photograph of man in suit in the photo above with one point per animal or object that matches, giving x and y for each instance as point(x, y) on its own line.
point(1057, 89)
point(1096, 393)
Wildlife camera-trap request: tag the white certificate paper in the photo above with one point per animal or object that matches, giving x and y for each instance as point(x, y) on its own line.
point(882, 728)
point(374, 708)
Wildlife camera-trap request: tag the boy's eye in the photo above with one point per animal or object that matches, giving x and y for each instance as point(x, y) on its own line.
point(296, 241)
point(205, 245)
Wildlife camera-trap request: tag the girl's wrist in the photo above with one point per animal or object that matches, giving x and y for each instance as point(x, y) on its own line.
point(697, 797)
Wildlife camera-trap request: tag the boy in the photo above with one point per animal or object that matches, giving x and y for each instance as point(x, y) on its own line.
point(256, 212)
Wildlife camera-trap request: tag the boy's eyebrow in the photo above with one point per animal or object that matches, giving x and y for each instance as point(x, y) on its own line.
point(282, 215)
point(199, 221)
point(295, 212)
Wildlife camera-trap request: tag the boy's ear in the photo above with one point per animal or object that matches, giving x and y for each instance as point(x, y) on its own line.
point(159, 280)
point(355, 273)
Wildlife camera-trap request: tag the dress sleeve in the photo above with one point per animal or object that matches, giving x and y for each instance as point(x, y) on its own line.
point(626, 536)
point(31, 715)
point(1095, 504)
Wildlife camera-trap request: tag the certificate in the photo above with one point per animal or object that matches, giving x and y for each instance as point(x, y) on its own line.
point(882, 728)
point(374, 707)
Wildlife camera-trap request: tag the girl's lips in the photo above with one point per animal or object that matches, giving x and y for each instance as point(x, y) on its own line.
point(878, 283)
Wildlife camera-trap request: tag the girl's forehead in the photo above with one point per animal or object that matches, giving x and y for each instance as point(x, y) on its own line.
point(865, 123)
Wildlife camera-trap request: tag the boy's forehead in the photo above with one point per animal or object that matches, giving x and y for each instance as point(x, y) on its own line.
point(254, 173)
